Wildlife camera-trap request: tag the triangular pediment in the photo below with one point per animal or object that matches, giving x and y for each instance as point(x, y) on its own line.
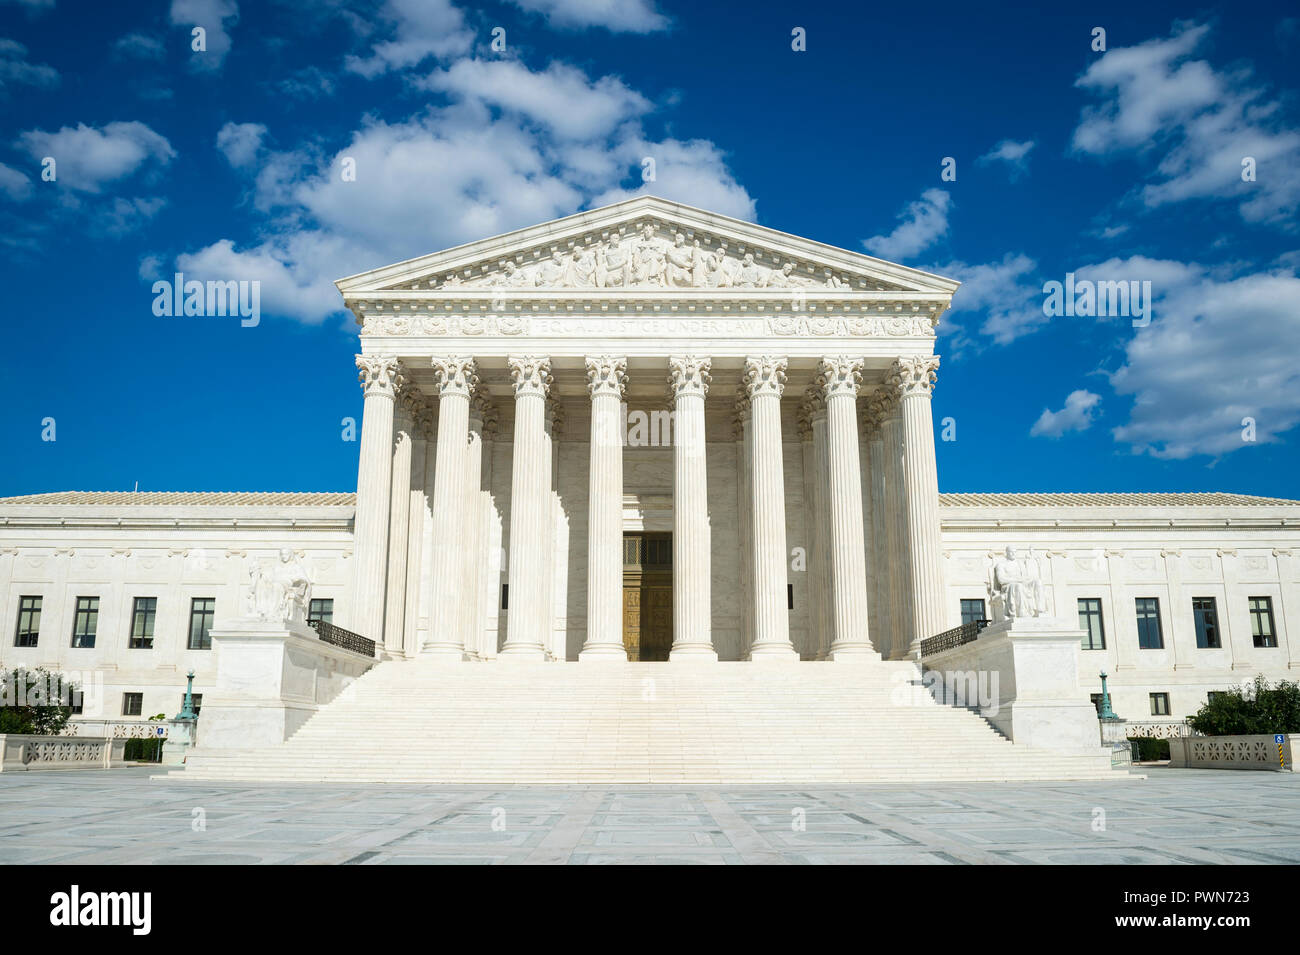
point(647, 245)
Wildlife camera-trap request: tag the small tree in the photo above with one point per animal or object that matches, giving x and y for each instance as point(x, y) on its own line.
point(1257, 710)
point(35, 702)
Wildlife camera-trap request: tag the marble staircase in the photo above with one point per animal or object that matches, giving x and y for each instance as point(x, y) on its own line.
point(493, 723)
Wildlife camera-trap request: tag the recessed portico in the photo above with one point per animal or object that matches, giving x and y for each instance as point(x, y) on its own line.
point(764, 397)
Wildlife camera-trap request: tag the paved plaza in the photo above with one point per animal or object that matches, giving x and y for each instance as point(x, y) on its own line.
point(1173, 816)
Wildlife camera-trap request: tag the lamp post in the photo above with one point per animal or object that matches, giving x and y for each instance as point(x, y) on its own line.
point(1105, 712)
point(187, 708)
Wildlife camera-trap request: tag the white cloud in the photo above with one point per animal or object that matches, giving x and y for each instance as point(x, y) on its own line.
point(1006, 294)
point(123, 216)
point(240, 142)
point(138, 46)
point(452, 174)
point(1219, 348)
point(15, 70)
point(14, 184)
point(417, 30)
point(1197, 122)
point(1076, 415)
point(1014, 154)
point(217, 18)
point(561, 97)
point(921, 224)
point(617, 16)
point(88, 158)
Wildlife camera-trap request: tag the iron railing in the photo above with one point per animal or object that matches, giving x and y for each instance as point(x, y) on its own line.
point(955, 637)
point(342, 638)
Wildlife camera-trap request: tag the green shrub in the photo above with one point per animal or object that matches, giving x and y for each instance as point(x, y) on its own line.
point(26, 706)
point(1261, 709)
point(143, 750)
point(1149, 750)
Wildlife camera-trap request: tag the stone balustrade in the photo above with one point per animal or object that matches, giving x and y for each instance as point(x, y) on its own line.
point(19, 753)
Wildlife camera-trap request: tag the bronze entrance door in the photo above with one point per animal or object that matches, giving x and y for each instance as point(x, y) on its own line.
point(647, 595)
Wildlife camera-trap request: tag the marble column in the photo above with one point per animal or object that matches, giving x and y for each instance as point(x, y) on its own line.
point(399, 521)
point(688, 383)
point(421, 470)
point(839, 379)
point(876, 406)
point(606, 382)
point(764, 382)
point(425, 617)
point(817, 519)
point(913, 378)
point(742, 422)
point(898, 570)
point(557, 538)
point(472, 583)
point(380, 378)
point(457, 378)
point(527, 627)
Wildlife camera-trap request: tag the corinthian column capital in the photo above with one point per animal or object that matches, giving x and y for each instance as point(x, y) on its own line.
point(914, 376)
point(606, 375)
point(380, 375)
point(483, 410)
point(688, 375)
point(764, 376)
point(531, 374)
point(456, 375)
point(838, 376)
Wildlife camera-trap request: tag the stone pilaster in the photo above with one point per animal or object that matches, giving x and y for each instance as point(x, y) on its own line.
point(528, 629)
point(839, 379)
point(913, 378)
point(688, 384)
point(457, 378)
point(380, 378)
point(606, 382)
point(764, 382)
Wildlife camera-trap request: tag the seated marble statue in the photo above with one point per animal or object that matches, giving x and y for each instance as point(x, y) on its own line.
point(283, 594)
point(1016, 587)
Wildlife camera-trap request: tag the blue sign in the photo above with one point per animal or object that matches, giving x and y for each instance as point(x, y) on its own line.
point(1279, 738)
point(160, 731)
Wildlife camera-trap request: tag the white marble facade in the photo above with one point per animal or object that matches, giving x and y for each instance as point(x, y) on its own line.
point(531, 397)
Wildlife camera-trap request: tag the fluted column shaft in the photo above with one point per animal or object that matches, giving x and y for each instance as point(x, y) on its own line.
point(606, 381)
point(415, 568)
point(883, 558)
point(839, 379)
point(914, 380)
point(744, 427)
point(380, 378)
point(399, 523)
point(900, 565)
point(688, 383)
point(764, 381)
point(471, 570)
point(528, 628)
point(457, 378)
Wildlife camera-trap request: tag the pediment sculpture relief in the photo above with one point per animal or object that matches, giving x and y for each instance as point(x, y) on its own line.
point(643, 259)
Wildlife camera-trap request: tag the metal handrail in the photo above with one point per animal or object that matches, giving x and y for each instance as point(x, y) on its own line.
point(966, 633)
point(339, 637)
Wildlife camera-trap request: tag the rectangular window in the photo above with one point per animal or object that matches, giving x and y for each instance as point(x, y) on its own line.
point(1148, 621)
point(76, 702)
point(789, 596)
point(1261, 622)
point(142, 618)
point(132, 704)
point(1213, 695)
point(505, 596)
point(202, 610)
point(1207, 623)
point(1096, 701)
point(29, 622)
point(197, 699)
point(86, 622)
point(1159, 704)
point(972, 611)
point(1090, 622)
point(321, 609)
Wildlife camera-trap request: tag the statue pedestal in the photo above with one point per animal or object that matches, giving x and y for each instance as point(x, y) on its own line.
point(1038, 701)
point(272, 676)
point(179, 742)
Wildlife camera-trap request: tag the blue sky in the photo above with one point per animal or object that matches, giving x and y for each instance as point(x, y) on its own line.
point(1122, 164)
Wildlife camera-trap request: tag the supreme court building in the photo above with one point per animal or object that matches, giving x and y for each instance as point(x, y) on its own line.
point(649, 432)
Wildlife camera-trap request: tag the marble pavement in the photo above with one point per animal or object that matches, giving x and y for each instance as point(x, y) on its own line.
point(1175, 816)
